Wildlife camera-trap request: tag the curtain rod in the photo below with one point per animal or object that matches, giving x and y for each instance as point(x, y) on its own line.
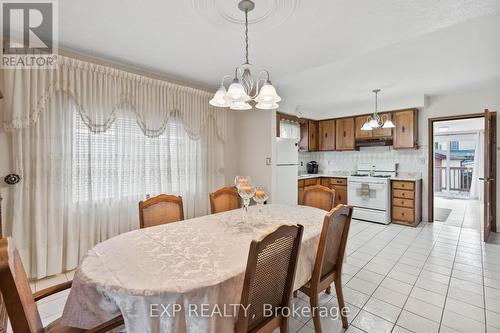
point(134, 70)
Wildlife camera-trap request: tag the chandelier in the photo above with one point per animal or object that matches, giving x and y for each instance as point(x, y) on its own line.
point(375, 120)
point(244, 88)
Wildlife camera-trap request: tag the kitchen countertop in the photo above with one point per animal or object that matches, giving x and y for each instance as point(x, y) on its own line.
point(318, 175)
point(410, 179)
point(345, 175)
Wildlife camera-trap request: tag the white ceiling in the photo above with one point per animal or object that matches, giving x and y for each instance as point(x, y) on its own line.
point(320, 53)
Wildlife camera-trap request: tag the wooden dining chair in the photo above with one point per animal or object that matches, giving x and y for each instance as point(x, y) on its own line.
point(329, 259)
point(269, 276)
point(162, 209)
point(21, 303)
point(320, 197)
point(224, 199)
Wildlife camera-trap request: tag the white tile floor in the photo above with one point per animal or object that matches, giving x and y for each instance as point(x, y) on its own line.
point(433, 278)
point(465, 213)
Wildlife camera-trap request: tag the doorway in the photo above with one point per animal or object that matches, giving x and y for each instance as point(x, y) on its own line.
point(462, 167)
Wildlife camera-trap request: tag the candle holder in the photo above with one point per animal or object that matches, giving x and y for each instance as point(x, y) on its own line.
point(261, 196)
point(246, 192)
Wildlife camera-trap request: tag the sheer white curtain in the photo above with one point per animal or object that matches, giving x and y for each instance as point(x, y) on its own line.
point(289, 129)
point(81, 187)
point(90, 146)
point(476, 187)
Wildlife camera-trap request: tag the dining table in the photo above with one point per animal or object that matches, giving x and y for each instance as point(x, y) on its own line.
point(184, 276)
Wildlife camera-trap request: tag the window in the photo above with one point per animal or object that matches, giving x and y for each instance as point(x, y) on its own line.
point(289, 130)
point(124, 163)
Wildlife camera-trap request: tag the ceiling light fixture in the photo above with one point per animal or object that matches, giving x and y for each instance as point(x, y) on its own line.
point(244, 89)
point(375, 120)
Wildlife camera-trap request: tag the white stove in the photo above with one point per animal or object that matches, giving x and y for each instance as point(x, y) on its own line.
point(369, 192)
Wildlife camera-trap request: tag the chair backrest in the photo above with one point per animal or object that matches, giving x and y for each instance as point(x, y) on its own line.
point(269, 276)
point(319, 196)
point(224, 199)
point(16, 291)
point(332, 243)
point(162, 209)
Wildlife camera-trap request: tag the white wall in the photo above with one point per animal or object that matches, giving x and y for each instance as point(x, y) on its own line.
point(248, 146)
point(486, 96)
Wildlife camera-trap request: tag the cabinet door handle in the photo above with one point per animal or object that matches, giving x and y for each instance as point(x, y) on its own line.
point(326, 135)
point(403, 129)
point(344, 134)
point(402, 202)
point(340, 197)
point(402, 214)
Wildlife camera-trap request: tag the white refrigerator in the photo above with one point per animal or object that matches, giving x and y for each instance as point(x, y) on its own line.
point(287, 167)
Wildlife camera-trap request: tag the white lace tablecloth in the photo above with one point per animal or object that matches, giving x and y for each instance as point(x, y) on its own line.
point(181, 266)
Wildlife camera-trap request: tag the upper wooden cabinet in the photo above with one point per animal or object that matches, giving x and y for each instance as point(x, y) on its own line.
point(313, 135)
point(308, 135)
point(383, 132)
point(326, 138)
point(344, 134)
point(359, 134)
point(406, 130)
point(376, 133)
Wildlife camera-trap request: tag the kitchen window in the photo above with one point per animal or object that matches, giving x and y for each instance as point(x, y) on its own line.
point(289, 129)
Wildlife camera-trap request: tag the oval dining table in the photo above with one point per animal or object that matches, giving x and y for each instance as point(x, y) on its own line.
point(184, 276)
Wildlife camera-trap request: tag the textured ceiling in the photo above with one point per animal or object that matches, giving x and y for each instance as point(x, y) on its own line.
point(320, 53)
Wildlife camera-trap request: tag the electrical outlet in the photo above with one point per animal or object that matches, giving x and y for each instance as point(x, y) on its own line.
point(268, 161)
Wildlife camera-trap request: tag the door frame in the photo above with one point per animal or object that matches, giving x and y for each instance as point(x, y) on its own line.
point(430, 171)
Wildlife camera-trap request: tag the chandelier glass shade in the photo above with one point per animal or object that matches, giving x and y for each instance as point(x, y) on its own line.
point(244, 90)
point(375, 120)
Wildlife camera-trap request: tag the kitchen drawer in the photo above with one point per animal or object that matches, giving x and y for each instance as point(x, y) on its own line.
point(339, 181)
point(396, 184)
point(301, 183)
point(403, 202)
point(403, 194)
point(310, 181)
point(403, 214)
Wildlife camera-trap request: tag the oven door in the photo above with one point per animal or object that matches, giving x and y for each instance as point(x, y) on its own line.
point(368, 195)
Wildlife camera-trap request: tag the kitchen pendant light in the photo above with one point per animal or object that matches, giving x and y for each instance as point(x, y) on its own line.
point(244, 88)
point(375, 120)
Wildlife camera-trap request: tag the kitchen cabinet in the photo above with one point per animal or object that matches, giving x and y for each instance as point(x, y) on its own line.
point(308, 135)
point(344, 134)
point(383, 132)
point(406, 130)
point(375, 133)
point(326, 137)
point(302, 184)
point(340, 187)
point(325, 182)
point(406, 202)
point(359, 134)
point(300, 192)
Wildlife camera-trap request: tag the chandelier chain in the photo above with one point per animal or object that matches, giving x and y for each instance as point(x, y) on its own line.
point(246, 36)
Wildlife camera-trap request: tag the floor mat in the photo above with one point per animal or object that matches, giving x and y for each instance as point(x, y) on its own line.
point(441, 214)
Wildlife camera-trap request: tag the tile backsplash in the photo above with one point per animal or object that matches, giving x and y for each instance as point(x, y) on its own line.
point(410, 162)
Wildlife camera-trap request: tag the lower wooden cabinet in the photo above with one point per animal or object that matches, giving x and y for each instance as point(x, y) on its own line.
point(406, 202)
point(339, 184)
point(303, 183)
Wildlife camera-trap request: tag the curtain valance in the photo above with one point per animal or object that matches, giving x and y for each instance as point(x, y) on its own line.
point(99, 91)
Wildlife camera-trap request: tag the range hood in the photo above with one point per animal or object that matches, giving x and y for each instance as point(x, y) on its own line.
point(372, 142)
